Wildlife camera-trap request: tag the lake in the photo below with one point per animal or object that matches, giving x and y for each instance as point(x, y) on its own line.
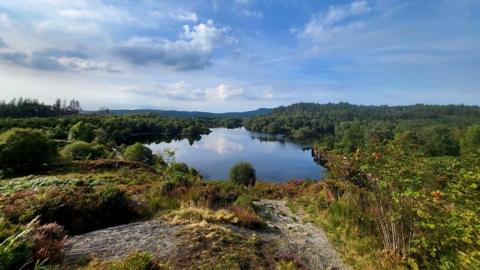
point(273, 157)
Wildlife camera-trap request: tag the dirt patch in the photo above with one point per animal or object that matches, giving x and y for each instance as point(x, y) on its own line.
point(305, 240)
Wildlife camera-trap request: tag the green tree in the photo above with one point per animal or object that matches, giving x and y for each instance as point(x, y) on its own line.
point(243, 173)
point(101, 136)
point(25, 151)
point(81, 131)
point(83, 151)
point(439, 141)
point(351, 134)
point(470, 143)
point(138, 152)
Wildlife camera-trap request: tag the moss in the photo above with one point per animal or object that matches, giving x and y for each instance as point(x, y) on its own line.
point(135, 261)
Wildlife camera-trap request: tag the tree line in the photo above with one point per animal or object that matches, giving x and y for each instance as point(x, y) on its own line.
point(27, 107)
point(344, 127)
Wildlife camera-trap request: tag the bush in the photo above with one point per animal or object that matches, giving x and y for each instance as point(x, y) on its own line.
point(243, 174)
point(24, 151)
point(245, 201)
point(82, 209)
point(114, 206)
point(139, 153)
point(470, 142)
point(83, 151)
point(48, 242)
point(439, 141)
point(179, 167)
point(247, 218)
point(81, 132)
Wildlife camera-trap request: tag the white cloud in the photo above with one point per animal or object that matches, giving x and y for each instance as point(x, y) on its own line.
point(183, 16)
point(80, 17)
point(224, 92)
point(192, 50)
point(79, 64)
point(54, 60)
point(324, 29)
point(178, 91)
point(176, 15)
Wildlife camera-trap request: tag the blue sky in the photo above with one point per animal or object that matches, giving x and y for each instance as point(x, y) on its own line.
point(234, 55)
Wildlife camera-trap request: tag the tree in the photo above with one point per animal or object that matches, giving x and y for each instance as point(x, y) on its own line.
point(82, 151)
point(243, 173)
point(470, 143)
point(351, 134)
point(439, 141)
point(25, 151)
point(81, 131)
point(139, 153)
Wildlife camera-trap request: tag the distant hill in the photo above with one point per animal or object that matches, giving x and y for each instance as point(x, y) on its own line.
point(175, 113)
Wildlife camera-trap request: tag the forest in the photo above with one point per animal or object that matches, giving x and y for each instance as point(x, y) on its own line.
point(402, 189)
point(25, 107)
point(344, 127)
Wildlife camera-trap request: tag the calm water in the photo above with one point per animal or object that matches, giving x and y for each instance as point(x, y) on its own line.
point(274, 158)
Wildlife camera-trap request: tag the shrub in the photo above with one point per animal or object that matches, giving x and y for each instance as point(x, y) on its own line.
point(100, 136)
point(25, 151)
point(244, 201)
point(114, 205)
point(439, 141)
point(247, 218)
point(243, 174)
point(48, 242)
point(83, 151)
point(139, 153)
point(82, 209)
point(179, 167)
point(81, 132)
point(179, 179)
point(470, 142)
point(289, 261)
point(212, 196)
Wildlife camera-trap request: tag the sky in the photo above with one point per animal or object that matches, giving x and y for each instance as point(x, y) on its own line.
point(237, 55)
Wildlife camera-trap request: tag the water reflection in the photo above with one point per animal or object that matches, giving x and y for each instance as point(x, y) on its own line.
point(274, 157)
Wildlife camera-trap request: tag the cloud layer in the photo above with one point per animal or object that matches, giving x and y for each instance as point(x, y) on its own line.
point(193, 49)
point(240, 54)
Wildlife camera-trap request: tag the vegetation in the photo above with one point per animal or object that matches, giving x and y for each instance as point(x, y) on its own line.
point(398, 204)
point(243, 174)
point(117, 130)
point(32, 108)
point(403, 187)
point(87, 195)
point(83, 151)
point(344, 127)
point(25, 151)
point(470, 142)
point(139, 153)
point(135, 261)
